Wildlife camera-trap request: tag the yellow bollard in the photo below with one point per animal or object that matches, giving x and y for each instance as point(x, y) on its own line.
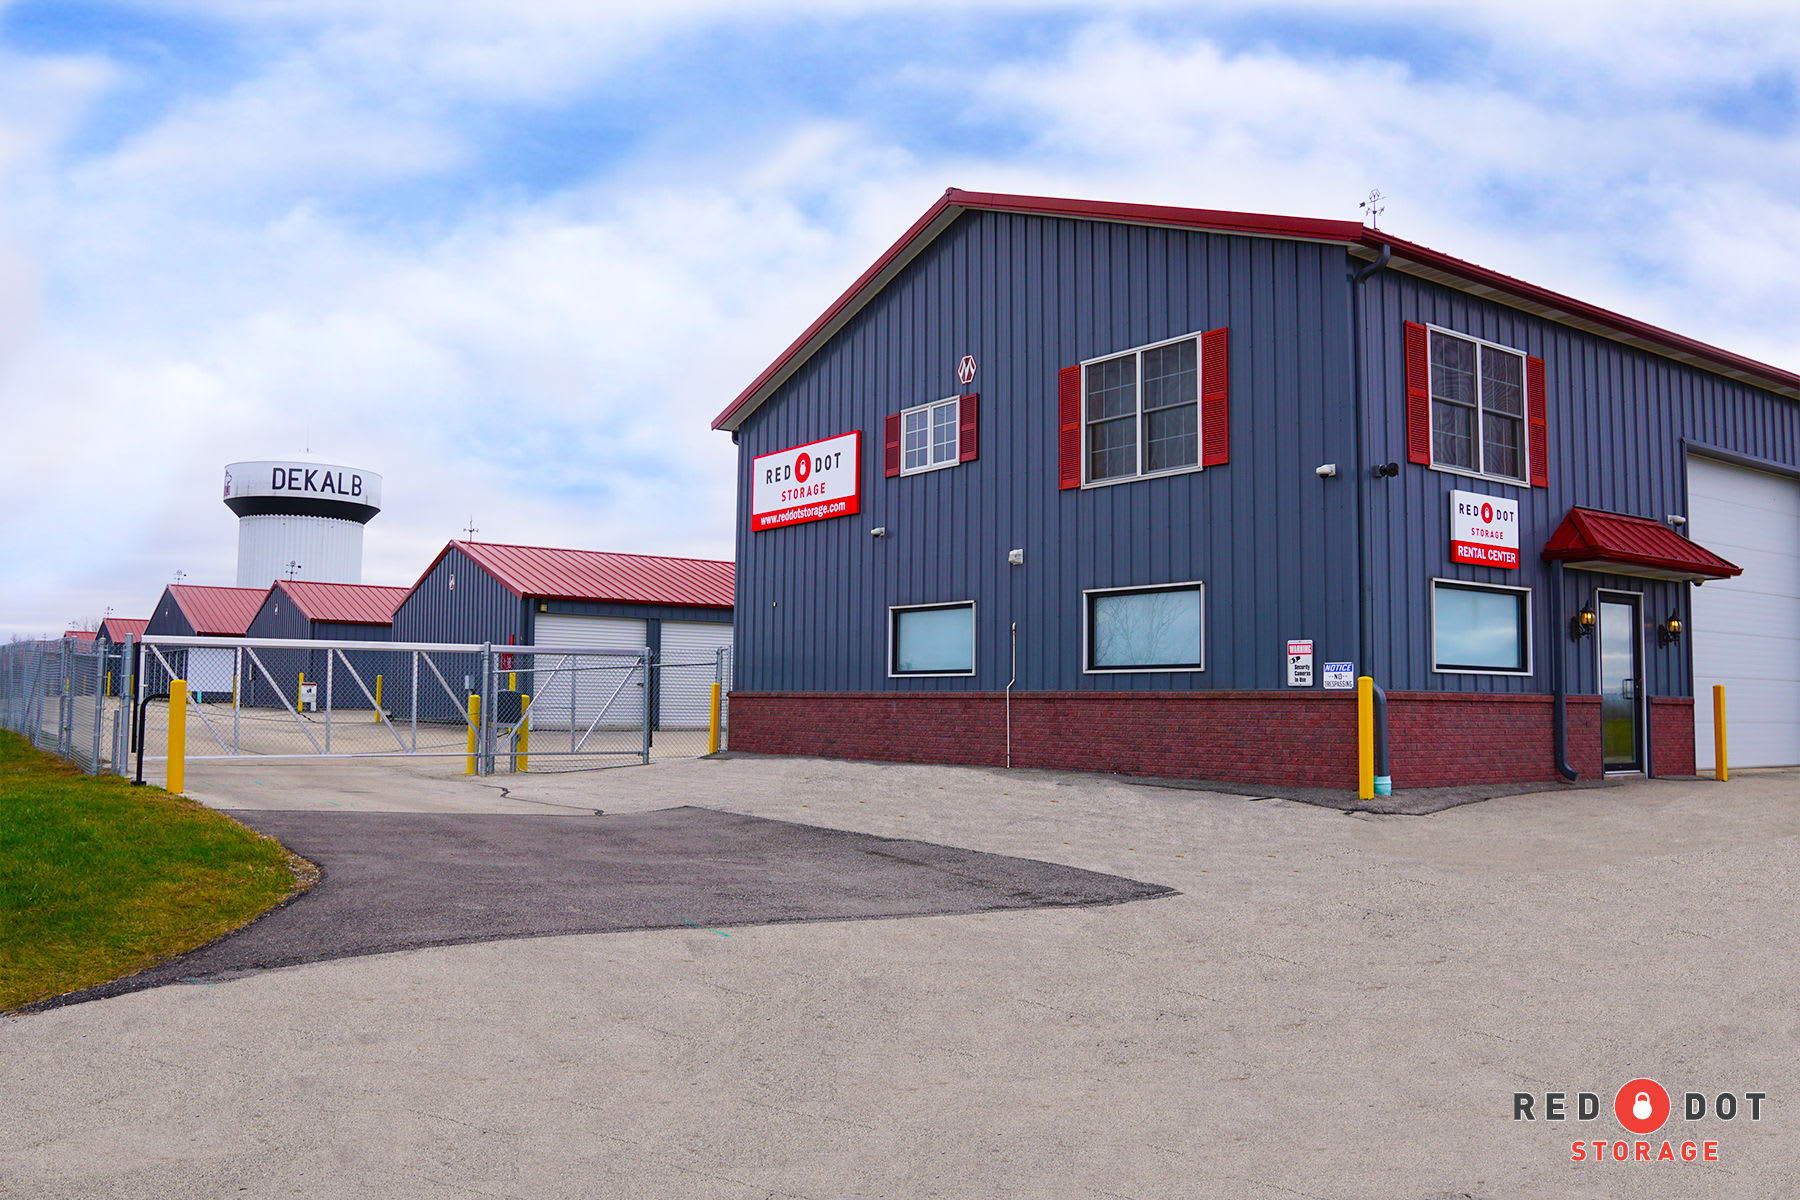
point(109, 683)
point(378, 699)
point(1721, 770)
point(177, 736)
point(524, 734)
point(474, 724)
point(712, 739)
point(1365, 737)
point(298, 688)
point(512, 681)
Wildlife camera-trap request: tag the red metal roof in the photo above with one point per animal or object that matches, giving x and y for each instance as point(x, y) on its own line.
point(80, 635)
point(344, 603)
point(545, 573)
point(1626, 545)
point(117, 629)
point(1407, 255)
point(218, 611)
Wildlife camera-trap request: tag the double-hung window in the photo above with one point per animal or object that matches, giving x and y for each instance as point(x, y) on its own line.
point(1477, 407)
point(1141, 411)
point(928, 436)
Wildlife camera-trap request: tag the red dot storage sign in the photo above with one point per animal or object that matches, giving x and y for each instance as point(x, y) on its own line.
point(1484, 530)
point(807, 483)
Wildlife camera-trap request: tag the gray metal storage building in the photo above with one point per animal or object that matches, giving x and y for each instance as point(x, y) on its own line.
point(535, 595)
point(1189, 459)
point(338, 612)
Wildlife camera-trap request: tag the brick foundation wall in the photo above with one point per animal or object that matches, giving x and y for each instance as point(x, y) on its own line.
point(1440, 739)
point(1672, 735)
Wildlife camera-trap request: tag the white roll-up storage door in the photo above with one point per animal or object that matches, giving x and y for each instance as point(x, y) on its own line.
point(687, 670)
point(571, 690)
point(1746, 630)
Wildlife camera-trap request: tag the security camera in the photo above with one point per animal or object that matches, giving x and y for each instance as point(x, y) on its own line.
point(1387, 470)
point(878, 531)
point(1675, 520)
point(1325, 470)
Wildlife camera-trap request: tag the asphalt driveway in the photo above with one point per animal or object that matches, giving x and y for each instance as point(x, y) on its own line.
point(403, 881)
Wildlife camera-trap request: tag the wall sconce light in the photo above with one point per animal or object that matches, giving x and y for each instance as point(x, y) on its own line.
point(1669, 632)
point(1582, 623)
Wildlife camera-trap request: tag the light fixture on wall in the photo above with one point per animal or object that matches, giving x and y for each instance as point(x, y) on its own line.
point(1669, 632)
point(1582, 623)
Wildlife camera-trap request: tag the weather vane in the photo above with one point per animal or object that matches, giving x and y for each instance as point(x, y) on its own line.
point(1373, 207)
point(180, 575)
point(292, 567)
point(470, 531)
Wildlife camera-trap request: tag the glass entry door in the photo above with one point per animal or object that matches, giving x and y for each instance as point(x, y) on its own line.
point(1621, 684)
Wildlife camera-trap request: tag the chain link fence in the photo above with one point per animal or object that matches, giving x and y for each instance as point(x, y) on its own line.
point(63, 697)
point(527, 708)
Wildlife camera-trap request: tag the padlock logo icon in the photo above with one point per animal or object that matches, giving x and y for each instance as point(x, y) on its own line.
point(1642, 1106)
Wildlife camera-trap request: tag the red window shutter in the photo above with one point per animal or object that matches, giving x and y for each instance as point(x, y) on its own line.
point(1418, 395)
point(969, 438)
point(890, 447)
point(1215, 402)
point(1537, 431)
point(1068, 421)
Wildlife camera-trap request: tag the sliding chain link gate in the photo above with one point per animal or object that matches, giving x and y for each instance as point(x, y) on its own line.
point(498, 708)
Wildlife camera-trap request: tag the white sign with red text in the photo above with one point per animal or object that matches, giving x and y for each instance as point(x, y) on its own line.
point(807, 483)
point(1484, 530)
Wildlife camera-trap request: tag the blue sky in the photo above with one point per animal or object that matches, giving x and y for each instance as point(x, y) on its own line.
point(515, 256)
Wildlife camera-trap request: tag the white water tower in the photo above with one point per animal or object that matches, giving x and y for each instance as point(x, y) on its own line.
point(300, 520)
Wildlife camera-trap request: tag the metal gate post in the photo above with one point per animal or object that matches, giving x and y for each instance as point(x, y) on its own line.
point(644, 661)
point(488, 687)
point(99, 708)
point(328, 657)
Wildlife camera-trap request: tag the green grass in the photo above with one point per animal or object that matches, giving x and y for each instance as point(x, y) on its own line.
point(99, 879)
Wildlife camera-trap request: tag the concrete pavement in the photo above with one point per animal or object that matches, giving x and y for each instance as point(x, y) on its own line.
point(1334, 1006)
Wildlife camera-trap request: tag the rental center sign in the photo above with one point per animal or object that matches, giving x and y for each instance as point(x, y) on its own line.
point(807, 483)
point(1484, 530)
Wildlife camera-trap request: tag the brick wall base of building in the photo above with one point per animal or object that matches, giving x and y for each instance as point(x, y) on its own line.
point(1286, 739)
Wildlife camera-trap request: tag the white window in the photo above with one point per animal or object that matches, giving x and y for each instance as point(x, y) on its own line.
point(1480, 628)
point(928, 436)
point(932, 639)
point(1141, 411)
point(1156, 628)
point(1477, 407)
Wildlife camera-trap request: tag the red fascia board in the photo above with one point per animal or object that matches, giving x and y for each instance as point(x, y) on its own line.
point(954, 202)
point(1374, 239)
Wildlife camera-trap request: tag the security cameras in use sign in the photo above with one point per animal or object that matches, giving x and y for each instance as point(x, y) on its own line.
point(807, 483)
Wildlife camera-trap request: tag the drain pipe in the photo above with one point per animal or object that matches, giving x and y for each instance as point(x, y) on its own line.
point(1558, 684)
point(1009, 688)
point(1365, 634)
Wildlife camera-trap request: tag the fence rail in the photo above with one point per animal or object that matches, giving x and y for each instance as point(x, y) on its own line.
point(512, 708)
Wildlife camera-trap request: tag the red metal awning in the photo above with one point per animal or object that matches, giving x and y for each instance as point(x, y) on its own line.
point(1591, 540)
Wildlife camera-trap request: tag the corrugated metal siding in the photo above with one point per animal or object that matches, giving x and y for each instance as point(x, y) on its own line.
point(1618, 418)
point(478, 609)
point(1028, 295)
point(168, 618)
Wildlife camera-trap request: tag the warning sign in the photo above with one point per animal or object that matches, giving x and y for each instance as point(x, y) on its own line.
point(1340, 675)
point(1299, 663)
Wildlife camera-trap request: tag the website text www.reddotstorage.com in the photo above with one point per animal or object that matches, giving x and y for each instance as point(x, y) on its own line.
point(1642, 1107)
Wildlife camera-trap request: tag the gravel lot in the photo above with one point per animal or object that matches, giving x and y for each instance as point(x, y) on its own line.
point(1336, 1005)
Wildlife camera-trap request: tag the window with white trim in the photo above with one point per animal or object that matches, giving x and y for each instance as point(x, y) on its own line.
point(1477, 407)
point(1480, 628)
point(1141, 411)
point(932, 639)
point(928, 436)
point(1156, 628)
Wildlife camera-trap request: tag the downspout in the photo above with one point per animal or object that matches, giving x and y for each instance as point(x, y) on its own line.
point(1559, 659)
point(1365, 634)
point(1009, 688)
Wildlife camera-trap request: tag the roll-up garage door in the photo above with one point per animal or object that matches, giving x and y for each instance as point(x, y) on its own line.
point(688, 667)
point(571, 690)
point(1746, 630)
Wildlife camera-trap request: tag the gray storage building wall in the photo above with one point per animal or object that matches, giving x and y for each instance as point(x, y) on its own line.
point(1028, 295)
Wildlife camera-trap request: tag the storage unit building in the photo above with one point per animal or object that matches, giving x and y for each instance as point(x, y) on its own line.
point(195, 610)
point(676, 609)
point(1138, 488)
point(338, 612)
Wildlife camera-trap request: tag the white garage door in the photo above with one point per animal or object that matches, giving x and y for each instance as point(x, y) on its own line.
point(571, 690)
point(1746, 631)
point(689, 666)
